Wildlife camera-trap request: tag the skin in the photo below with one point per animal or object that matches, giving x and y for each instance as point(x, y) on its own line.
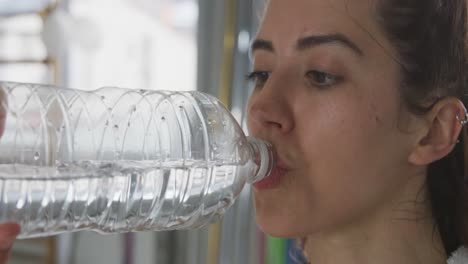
point(8, 233)
point(354, 157)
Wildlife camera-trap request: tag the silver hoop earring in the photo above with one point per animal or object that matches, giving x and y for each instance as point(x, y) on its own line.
point(463, 121)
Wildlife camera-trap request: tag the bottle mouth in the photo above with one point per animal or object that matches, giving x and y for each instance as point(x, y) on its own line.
point(264, 157)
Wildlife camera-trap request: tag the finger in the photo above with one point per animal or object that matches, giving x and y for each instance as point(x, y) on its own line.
point(4, 255)
point(8, 233)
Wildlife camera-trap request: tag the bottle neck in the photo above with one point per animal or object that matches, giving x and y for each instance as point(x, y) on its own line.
point(263, 156)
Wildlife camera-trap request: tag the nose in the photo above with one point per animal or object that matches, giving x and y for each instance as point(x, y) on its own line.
point(269, 110)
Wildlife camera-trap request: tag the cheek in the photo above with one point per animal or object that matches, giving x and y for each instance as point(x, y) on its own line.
point(348, 128)
point(348, 159)
point(339, 129)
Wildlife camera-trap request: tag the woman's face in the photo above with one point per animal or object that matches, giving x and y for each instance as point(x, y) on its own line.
point(326, 95)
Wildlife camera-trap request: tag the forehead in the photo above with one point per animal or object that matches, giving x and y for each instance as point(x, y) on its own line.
point(287, 20)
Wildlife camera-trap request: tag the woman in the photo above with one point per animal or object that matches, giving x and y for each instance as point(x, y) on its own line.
point(363, 101)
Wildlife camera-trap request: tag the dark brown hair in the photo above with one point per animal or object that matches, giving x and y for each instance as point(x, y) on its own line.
point(430, 39)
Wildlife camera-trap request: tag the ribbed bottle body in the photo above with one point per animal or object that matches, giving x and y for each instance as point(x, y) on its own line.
point(116, 160)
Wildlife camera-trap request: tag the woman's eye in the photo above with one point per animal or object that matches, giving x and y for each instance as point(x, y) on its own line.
point(259, 78)
point(323, 79)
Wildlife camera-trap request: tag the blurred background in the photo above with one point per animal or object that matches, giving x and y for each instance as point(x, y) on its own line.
point(141, 44)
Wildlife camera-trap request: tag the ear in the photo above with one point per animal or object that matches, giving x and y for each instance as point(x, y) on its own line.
point(440, 131)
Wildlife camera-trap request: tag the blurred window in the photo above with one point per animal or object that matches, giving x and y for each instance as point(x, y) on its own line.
point(149, 44)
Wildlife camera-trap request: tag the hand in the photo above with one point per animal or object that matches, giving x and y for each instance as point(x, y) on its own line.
point(8, 233)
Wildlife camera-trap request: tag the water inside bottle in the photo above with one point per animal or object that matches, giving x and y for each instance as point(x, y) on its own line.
point(112, 196)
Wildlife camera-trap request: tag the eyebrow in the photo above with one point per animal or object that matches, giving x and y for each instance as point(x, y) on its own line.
point(261, 44)
point(310, 42)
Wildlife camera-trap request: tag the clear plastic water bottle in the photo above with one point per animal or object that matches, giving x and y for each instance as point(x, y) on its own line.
point(118, 160)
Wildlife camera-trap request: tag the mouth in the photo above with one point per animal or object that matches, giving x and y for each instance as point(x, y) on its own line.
point(273, 180)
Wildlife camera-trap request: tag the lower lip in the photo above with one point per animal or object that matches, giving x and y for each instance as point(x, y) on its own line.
point(271, 181)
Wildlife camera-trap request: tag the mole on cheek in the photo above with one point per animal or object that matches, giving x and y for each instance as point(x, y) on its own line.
point(376, 117)
point(378, 120)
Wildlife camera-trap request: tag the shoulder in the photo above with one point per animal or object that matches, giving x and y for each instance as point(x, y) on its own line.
point(460, 256)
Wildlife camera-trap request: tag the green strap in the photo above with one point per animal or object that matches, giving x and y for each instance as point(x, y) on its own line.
point(276, 250)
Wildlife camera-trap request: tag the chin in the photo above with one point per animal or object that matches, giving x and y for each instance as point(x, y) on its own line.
point(277, 226)
point(276, 219)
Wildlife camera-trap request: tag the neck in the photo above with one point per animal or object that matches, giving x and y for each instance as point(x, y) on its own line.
point(401, 233)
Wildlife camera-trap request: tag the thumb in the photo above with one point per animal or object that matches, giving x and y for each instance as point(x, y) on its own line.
point(8, 233)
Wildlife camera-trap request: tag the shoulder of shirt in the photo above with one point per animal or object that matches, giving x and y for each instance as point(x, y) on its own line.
point(460, 256)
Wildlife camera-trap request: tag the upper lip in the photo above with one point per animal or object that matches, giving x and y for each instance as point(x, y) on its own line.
point(280, 161)
point(280, 164)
